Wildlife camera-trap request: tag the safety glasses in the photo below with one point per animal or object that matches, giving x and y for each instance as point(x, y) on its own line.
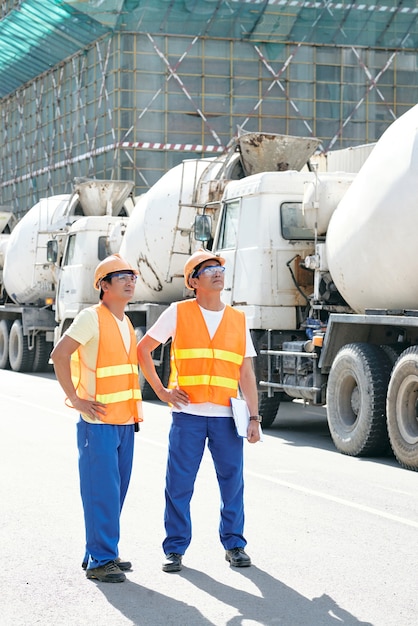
point(125, 278)
point(210, 270)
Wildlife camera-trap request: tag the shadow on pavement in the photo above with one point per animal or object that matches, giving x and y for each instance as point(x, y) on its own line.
point(146, 607)
point(271, 604)
point(302, 431)
point(304, 426)
point(274, 603)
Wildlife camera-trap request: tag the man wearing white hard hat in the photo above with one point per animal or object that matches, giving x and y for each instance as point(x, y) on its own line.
point(96, 364)
point(211, 361)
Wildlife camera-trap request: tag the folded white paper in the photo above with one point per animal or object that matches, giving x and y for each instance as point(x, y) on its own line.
point(241, 416)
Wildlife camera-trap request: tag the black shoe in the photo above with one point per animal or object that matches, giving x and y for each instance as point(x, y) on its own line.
point(172, 562)
point(109, 573)
point(125, 566)
point(237, 557)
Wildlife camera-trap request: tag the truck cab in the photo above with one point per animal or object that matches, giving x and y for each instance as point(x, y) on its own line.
point(261, 231)
point(268, 226)
point(89, 241)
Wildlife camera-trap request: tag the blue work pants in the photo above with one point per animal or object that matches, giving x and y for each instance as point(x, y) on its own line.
point(187, 440)
point(105, 465)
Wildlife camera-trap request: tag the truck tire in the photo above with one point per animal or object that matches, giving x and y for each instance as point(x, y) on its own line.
point(21, 358)
point(4, 344)
point(42, 351)
point(268, 408)
point(356, 400)
point(393, 351)
point(163, 371)
point(147, 392)
point(402, 406)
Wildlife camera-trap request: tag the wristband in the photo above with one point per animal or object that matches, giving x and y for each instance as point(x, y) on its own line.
point(255, 418)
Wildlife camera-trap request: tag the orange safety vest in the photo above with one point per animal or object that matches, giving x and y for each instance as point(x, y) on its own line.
point(207, 369)
point(117, 374)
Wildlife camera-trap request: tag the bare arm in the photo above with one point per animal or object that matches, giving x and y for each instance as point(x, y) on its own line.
point(248, 386)
point(145, 348)
point(61, 356)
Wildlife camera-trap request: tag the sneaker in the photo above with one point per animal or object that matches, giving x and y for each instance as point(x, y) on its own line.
point(109, 573)
point(237, 557)
point(125, 566)
point(172, 562)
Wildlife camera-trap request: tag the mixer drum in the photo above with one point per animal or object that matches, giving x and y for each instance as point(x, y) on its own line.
point(371, 238)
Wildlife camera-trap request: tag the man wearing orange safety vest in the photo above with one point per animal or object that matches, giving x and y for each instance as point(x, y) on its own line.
point(96, 364)
point(211, 360)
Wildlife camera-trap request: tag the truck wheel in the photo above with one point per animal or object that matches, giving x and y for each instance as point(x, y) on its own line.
point(393, 351)
point(268, 408)
point(163, 371)
point(402, 409)
point(4, 344)
point(147, 392)
point(21, 358)
point(356, 398)
point(42, 351)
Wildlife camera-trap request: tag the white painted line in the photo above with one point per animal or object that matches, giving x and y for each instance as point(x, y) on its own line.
point(42, 407)
point(331, 498)
point(270, 479)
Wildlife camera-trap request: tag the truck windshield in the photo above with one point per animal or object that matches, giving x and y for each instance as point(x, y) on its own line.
point(293, 223)
point(229, 227)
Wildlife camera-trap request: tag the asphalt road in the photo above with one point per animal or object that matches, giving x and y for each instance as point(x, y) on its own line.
point(333, 539)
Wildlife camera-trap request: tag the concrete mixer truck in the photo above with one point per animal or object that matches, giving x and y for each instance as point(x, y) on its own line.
point(7, 222)
point(326, 271)
point(74, 230)
point(322, 263)
point(161, 233)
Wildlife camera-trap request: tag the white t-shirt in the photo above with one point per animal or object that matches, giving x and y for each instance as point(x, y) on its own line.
point(165, 327)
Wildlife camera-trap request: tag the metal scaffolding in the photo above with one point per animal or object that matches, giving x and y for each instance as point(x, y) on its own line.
point(162, 81)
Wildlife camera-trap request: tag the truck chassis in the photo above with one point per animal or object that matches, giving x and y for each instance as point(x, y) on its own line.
point(366, 373)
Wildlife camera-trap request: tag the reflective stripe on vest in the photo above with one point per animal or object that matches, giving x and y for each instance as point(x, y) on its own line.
point(207, 369)
point(209, 353)
point(116, 370)
point(120, 396)
point(117, 384)
point(217, 381)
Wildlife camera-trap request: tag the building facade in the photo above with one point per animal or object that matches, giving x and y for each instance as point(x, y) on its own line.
point(126, 89)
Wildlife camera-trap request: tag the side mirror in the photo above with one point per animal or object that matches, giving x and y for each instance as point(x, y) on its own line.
point(52, 251)
point(203, 227)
